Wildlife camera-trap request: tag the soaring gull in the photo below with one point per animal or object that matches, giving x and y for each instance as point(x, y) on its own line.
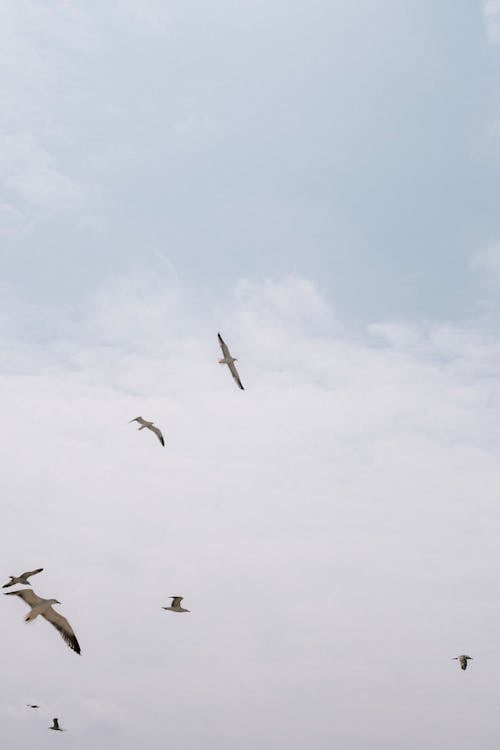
point(229, 361)
point(55, 726)
point(43, 607)
point(150, 425)
point(23, 578)
point(176, 605)
point(463, 660)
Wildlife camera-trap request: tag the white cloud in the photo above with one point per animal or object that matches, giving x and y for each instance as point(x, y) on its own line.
point(45, 51)
point(34, 40)
point(487, 263)
point(149, 15)
point(333, 528)
point(491, 14)
point(29, 172)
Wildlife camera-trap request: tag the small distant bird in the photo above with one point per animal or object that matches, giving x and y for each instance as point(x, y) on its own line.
point(229, 361)
point(43, 607)
point(176, 605)
point(30, 705)
point(150, 425)
point(23, 578)
point(463, 660)
point(55, 726)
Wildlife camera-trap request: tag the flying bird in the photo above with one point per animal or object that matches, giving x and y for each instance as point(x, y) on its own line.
point(463, 660)
point(55, 726)
point(23, 578)
point(150, 425)
point(176, 604)
point(229, 361)
point(43, 607)
point(30, 705)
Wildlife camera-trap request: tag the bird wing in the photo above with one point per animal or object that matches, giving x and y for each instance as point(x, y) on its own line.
point(176, 600)
point(158, 434)
point(138, 419)
point(223, 346)
point(28, 595)
point(62, 625)
point(30, 573)
point(234, 373)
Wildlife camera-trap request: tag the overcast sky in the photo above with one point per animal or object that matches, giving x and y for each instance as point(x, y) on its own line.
point(319, 181)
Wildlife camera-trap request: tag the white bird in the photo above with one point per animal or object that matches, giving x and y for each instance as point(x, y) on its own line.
point(176, 605)
point(463, 660)
point(23, 578)
point(55, 726)
point(43, 607)
point(150, 425)
point(229, 361)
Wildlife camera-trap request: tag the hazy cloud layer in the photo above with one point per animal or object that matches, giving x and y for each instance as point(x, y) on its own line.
point(334, 528)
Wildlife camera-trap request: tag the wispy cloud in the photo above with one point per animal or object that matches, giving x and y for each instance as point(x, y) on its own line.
point(30, 173)
point(491, 14)
point(151, 16)
point(487, 263)
point(34, 41)
point(42, 46)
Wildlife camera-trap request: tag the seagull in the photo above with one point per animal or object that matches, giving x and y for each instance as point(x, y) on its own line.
point(23, 578)
point(176, 605)
point(43, 607)
point(150, 425)
point(30, 705)
point(463, 660)
point(55, 726)
point(229, 361)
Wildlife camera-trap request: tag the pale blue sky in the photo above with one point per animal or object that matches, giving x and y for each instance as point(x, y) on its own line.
point(351, 143)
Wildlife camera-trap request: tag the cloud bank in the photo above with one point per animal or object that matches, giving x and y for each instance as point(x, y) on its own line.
point(333, 529)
